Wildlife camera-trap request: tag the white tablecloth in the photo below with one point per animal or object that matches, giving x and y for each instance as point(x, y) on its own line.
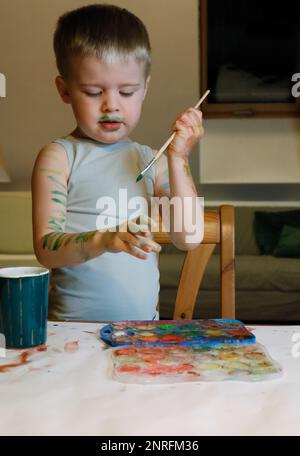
point(68, 390)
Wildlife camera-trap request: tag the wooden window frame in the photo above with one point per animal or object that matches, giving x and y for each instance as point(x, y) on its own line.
point(225, 110)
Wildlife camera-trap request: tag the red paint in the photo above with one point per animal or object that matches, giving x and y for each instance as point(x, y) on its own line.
point(128, 368)
point(71, 346)
point(22, 359)
point(170, 338)
point(41, 348)
point(125, 351)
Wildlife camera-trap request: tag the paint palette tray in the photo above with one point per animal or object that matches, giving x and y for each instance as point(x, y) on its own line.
point(206, 333)
point(184, 363)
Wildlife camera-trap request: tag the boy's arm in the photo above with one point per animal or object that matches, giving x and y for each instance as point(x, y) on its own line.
point(52, 245)
point(174, 179)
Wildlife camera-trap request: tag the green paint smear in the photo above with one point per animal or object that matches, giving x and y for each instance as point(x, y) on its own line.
point(58, 242)
point(57, 239)
point(57, 192)
point(55, 225)
point(53, 179)
point(56, 200)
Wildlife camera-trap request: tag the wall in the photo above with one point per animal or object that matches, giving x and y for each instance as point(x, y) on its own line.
point(32, 114)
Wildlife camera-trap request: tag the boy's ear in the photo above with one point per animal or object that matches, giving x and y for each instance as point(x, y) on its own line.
point(62, 89)
point(146, 86)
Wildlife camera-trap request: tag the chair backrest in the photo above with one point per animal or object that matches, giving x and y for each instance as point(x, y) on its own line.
point(218, 229)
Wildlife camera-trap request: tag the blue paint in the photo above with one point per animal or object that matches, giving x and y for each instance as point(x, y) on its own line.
point(24, 306)
point(206, 333)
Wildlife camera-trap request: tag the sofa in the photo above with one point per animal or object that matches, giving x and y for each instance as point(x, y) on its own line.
point(267, 287)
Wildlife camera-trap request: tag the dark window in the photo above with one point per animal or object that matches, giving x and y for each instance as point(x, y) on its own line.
point(250, 50)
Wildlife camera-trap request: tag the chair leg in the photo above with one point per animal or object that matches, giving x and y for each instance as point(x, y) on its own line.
point(227, 262)
point(190, 280)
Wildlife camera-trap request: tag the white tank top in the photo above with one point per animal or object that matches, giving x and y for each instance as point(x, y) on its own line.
point(112, 286)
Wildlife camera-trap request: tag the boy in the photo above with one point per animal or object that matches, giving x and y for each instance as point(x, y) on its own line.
point(103, 57)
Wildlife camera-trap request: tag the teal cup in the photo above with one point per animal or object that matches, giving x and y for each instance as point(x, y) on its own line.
point(24, 306)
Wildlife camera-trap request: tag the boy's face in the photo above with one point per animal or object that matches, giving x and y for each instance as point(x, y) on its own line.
point(106, 98)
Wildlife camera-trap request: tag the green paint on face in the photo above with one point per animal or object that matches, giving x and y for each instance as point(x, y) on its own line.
point(106, 118)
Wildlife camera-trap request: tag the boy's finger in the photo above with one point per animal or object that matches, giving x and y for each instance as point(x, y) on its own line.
point(132, 240)
point(149, 243)
point(134, 251)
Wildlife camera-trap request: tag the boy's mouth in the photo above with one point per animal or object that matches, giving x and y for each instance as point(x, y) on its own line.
point(110, 123)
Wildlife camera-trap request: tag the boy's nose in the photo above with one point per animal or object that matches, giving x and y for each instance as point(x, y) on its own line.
point(109, 103)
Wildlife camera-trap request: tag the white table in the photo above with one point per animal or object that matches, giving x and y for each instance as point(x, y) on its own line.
point(60, 392)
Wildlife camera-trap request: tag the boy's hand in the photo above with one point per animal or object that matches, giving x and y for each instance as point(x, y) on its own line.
point(189, 129)
point(131, 238)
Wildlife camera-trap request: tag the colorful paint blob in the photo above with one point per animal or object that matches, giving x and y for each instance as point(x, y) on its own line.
point(172, 364)
point(187, 351)
point(186, 332)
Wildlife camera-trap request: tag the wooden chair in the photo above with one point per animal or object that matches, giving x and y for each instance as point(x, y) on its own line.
point(218, 229)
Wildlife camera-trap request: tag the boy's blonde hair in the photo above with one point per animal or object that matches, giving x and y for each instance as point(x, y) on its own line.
point(104, 31)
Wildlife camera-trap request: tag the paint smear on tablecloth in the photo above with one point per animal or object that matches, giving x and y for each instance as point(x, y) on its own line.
point(72, 346)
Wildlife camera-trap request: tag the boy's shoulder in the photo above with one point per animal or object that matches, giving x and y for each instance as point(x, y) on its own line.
point(53, 146)
point(52, 151)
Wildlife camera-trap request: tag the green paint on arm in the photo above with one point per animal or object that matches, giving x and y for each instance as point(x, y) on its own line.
point(56, 192)
point(56, 200)
point(57, 239)
point(56, 226)
point(56, 181)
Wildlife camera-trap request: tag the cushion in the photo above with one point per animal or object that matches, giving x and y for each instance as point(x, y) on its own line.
point(289, 243)
point(253, 273)
point(268, 227)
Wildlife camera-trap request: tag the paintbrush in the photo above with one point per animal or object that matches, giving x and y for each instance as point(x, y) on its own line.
point(163, 148)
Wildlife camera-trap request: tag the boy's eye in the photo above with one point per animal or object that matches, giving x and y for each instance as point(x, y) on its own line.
point(126, 94)
point(91, 94)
